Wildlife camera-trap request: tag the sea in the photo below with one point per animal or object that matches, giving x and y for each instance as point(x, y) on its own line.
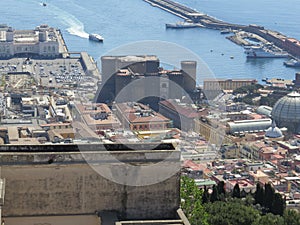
point(136, 27)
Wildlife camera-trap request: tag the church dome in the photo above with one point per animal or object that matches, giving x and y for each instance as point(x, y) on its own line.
point(286, 112)
point(273, 131)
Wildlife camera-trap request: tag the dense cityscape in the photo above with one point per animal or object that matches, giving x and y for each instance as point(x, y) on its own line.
point(131, 140)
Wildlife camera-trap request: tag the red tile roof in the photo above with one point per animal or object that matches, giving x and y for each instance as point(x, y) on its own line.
point(192, 165)
point(182, 110)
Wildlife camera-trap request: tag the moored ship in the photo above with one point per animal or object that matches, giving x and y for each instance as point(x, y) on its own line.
point(292, 63)
point(96, 37)
point(226, 31)
point(263, 52)
point(181, 25)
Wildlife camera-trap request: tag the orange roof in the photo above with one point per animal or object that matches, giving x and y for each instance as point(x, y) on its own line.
point(185, 111)
point(131, 114)
point(276, 156)
point(255, 116)
point(193, 165)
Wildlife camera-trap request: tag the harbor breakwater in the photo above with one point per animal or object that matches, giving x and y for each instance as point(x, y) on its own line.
point(291, 45)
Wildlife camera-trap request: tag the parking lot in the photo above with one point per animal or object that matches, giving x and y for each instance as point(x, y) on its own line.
point(49, 72)
point(57, 72)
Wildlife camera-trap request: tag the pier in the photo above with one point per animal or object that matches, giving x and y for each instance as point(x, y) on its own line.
point(193, 15)
point(291, 45)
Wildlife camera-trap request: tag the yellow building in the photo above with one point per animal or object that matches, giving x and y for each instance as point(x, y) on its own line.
point(214, 135)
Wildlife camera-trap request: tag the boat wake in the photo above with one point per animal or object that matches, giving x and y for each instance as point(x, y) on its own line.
point(75, 26)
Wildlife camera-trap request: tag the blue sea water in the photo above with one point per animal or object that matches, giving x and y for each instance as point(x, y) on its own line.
point(123, 22)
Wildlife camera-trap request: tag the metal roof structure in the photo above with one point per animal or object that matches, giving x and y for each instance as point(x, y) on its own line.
point(249, 126)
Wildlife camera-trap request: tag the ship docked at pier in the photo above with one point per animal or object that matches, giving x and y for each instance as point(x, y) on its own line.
point(264, 52)
point(182, 25)
point(96, 37)
point(292, 63)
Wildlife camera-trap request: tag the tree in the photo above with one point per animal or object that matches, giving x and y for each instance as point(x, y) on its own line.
point(191, 201)
point(205, 196)
point(269, 219)
point(214, 195)
point(249, 89)
point(249, 200)
point(231, 213)
point(236, 193)
point(291, 217)
point(221, 190)
point(221, 187)
point(269, 196)
point(243, 193)
point(259, 195)
point(278, 205)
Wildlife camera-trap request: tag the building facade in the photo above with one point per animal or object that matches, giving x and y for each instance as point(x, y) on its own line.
point(140, 78)
point(226, 84)
point(181, 114)
point(139, 117)
point(43, 41)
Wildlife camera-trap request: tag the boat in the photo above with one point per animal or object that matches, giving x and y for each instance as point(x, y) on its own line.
point(226, 31)
point(292, 63)
point(44, 4)
point(180, 25)
point(264, 52)
point(96, 37)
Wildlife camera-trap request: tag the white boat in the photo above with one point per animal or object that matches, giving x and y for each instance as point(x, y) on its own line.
point(96, 37)
point(180, 25)
point(263, 52)
point(292, 63)
point(226, 31)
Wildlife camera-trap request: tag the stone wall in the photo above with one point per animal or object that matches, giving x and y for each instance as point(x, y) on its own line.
point(67, 185)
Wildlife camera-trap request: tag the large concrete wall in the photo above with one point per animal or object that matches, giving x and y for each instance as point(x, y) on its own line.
point(68, 185)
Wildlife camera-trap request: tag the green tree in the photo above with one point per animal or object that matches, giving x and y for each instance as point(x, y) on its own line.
point(268, 101)
point(269, 196)
point(191, 202)
point(259, 195)
point(231, 213)
point(278, 205)
point(249, 200)
point(205, 196)
point(221, 187)
point(249, 89)
point(291, 217)
point(269, 219)
point(221, 190)
point(236, 193)
point(215, 194)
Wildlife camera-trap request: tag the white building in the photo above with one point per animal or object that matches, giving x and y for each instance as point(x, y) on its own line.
point(43, 42)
